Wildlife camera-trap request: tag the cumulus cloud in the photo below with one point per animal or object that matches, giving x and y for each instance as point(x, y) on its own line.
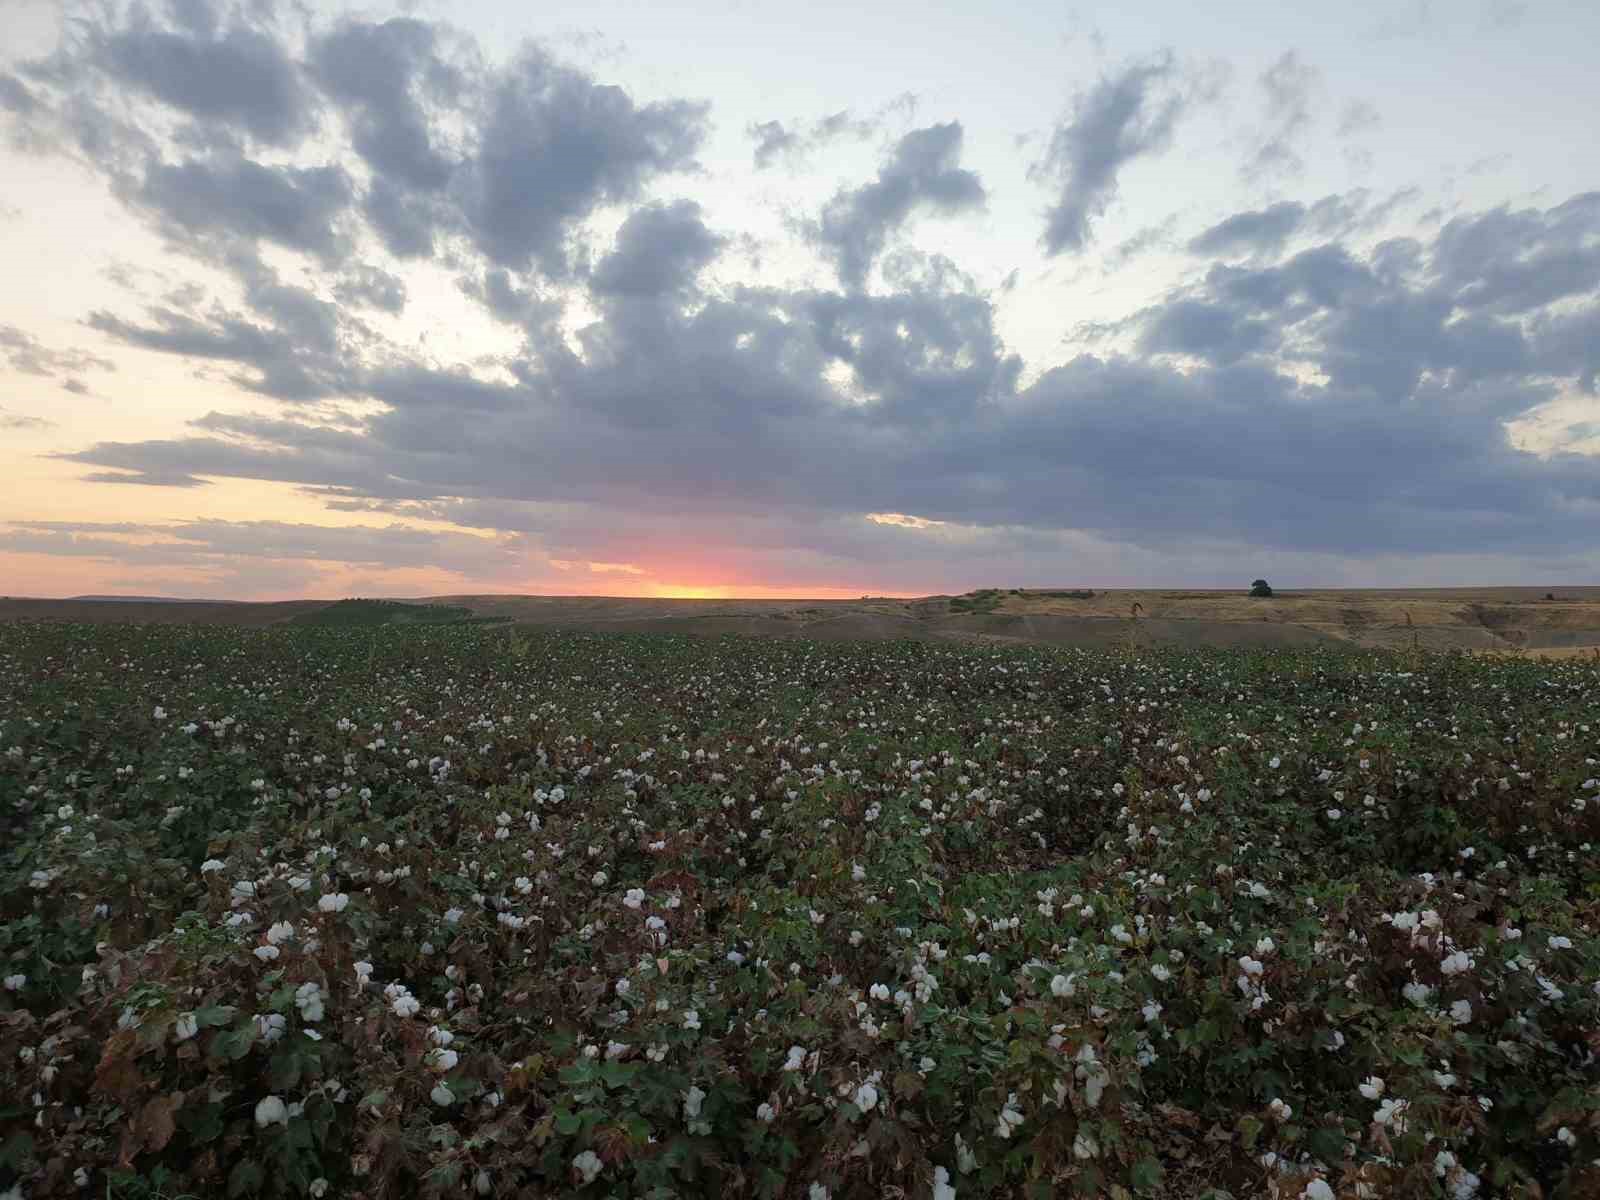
point(1332, 401)
point(241, 79)
point(554, 145)
point(921, 175)
point(660, 249)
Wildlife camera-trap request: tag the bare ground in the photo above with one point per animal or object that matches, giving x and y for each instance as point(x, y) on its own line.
point(1483, 620)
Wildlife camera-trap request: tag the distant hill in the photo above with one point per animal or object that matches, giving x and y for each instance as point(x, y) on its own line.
point(155, 600)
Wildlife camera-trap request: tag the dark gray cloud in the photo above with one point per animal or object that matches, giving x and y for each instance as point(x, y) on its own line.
point(553, 146)
point(243, 79)
point(1121, 118)
point(296, 207)
point(383, 75)
point(660, 249)
point(1265, 232)
point(1252, 232)
point(921, 175)
point(1511, 262)
point(1336, 403)
point(282, 364)
point(1287, 87)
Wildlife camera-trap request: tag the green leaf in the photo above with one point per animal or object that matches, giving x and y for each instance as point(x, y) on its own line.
point(247, 1176)
point(1146, 1175)
point(215, 1014)
point(567, 1123)
point(1327, 1143)
point(16, 1150)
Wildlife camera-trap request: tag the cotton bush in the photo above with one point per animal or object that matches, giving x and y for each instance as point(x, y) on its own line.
point(656, 916)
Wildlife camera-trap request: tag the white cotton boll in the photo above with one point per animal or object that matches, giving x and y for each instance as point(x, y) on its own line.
point(866, 1097)
point(634, 897)
point(405, 1005)
point(693, 1099)
point(942, 1187)
point(442, 1095)
point(1280, 1110)
point(797, 1058)
point(211, 866)
point(1456, 963)
point(1317, 1189)
point(765, 1113)
point(266, 953)
point(1371, 1087)
point(588, 1166)
point(15, 983)
point(333, 902)
point(279, 931)
point(186, 1026)
point(1461, 1012)
point(1010, 1118)
point(1062, 985)
point(442, 1059)
point(691, 1019)
point(271, 1111)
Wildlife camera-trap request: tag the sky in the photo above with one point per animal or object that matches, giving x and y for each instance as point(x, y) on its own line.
point(748, 299)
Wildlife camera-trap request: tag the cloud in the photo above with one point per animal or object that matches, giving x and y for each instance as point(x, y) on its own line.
point(242, 79)
point(660, 249)
point(1358, 117)
point(1123, 117)
point(373, 287)
point(22, 421)
point(24, 352)
point(216, 544)
point(1265, 232)
point(1287, 85)
point(1338, 403)
point(382, 75)
point(295, 207)
point(553, 146)
point(921, 175)
point(792, 142)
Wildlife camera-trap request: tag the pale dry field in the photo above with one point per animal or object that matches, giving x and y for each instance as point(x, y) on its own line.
point(1478, 619)
point(1481, 620)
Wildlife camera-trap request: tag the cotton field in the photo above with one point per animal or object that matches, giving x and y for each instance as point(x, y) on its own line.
point(447, 911)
